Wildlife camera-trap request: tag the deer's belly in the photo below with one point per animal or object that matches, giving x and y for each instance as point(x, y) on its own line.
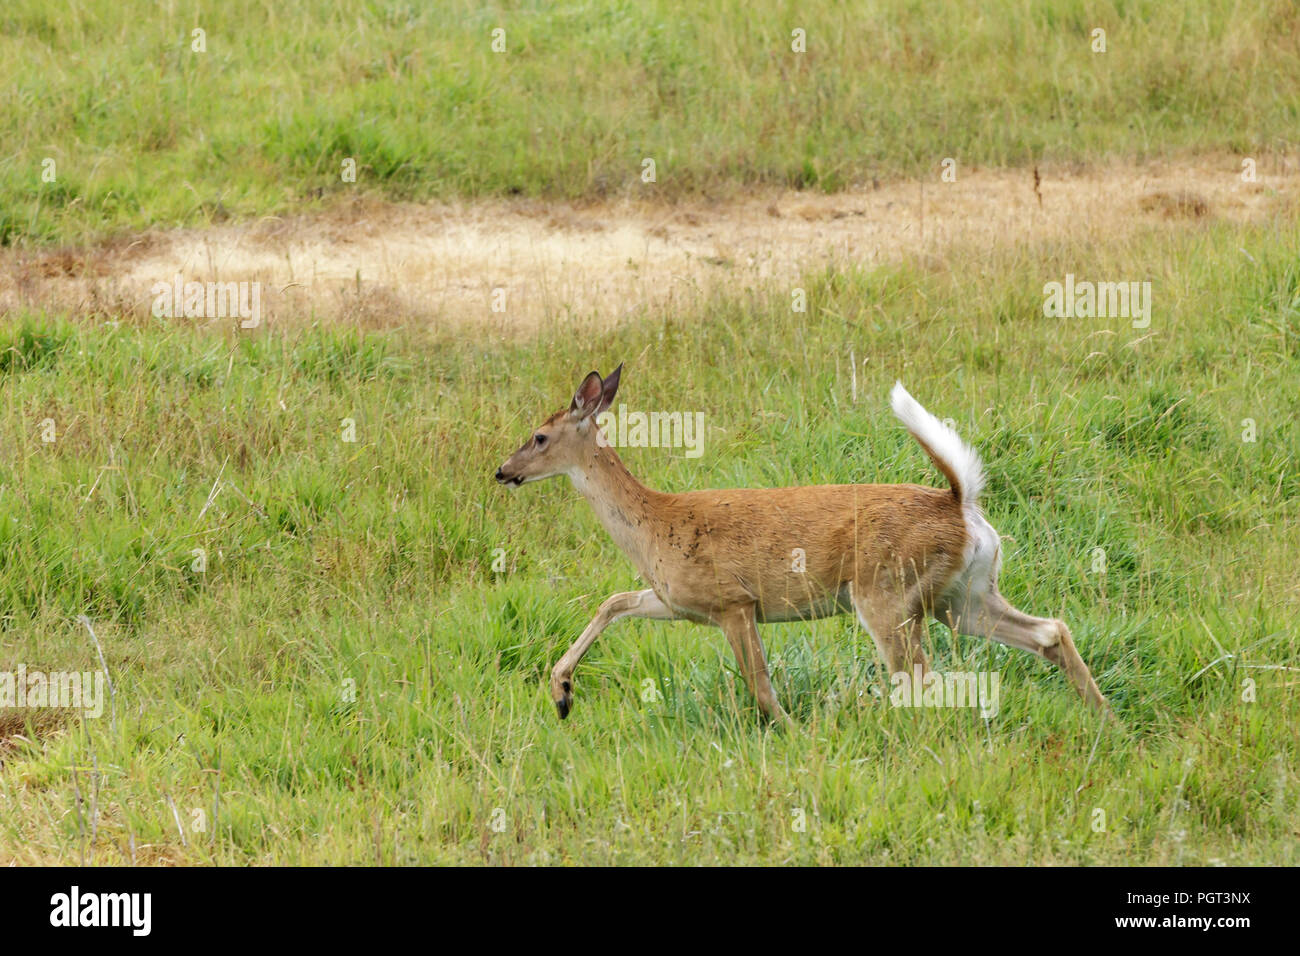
point(804, 607)
point(791, 597)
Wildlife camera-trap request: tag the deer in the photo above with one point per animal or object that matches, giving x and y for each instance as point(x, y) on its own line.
point(895, 555)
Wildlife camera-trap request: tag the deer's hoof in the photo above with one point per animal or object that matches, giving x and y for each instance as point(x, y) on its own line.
point(564, 703)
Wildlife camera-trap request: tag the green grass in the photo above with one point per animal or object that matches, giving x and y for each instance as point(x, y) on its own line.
point(143, 131)
point(371, 562)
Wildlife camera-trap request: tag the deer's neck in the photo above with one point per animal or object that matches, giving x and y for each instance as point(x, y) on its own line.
point(623, 505)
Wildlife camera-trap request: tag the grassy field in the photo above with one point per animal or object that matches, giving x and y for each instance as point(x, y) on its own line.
point(331, 565)
point(328, 629)
point(142, 130)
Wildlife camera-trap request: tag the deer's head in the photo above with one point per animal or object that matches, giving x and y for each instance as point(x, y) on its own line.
point(564, 441)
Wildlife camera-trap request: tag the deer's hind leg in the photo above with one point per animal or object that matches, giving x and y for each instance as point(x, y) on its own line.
point(987, 614)
point(895, 627)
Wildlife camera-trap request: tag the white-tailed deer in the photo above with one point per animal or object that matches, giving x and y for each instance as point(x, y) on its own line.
point(893, 554)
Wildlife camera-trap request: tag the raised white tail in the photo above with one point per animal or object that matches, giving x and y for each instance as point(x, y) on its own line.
point(959, 462)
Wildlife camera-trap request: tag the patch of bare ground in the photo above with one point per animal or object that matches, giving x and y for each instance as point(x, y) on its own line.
point(510, 266)
point(23, 727)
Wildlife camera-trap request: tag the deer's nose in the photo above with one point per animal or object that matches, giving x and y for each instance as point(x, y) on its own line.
point(501, 476)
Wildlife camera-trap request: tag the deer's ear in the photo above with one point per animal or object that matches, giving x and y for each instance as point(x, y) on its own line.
point(609, 388)
point(587, 397)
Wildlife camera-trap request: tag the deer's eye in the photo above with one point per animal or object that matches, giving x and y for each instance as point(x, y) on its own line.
point(540, 439)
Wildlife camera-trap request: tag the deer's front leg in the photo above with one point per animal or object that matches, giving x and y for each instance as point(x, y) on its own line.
point(739, 625)
point(625, 604)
